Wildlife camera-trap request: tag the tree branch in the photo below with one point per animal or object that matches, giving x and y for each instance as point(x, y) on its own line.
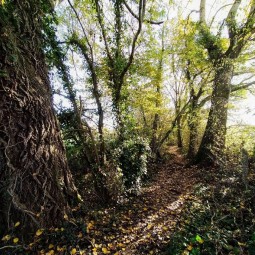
point(142, 4)
point(202, 12)
point(83, 30)
point(174, 122)
point(135, 16)
point(101, 23)
point(242, 86)
point(231, 20)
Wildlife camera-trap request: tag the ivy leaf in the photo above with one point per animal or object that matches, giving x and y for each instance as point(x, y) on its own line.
point(199, 239)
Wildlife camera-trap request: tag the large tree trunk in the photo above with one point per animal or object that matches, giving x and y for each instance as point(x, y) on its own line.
point(212, 146)
point(34, 176)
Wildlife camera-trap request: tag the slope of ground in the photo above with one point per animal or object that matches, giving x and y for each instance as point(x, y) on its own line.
point(145, 223)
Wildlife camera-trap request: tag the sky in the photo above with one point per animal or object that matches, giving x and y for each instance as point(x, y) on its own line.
point(243, 111)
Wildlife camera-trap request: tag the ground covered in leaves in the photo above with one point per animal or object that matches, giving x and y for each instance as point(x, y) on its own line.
point(145, 223)
point(142, 224)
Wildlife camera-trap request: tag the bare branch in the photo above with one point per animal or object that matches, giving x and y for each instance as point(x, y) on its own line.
point(83, 30)
point(134, 15)
point(242, 86)
point(174, 122)
point(231, 19)
point(142, 4)
point(101, 23)
point(218, 12)
point(202, 12)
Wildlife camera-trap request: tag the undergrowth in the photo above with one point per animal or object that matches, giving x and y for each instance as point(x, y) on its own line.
point(220, 219)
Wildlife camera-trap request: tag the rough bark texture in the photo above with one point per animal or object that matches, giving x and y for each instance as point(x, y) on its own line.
point(34, 176)
point(193, 134)
point(213, 142)
point(212, 146)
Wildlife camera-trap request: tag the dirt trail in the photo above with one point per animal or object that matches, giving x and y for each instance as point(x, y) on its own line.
point(144, 224)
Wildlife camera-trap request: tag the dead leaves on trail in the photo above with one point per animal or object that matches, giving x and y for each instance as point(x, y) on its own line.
point(144, 224)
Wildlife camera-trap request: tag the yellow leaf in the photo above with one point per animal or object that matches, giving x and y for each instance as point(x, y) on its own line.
point(17, 224)
point(59, 248)
point(65, 216)
point(51, 246)
point(90, 226)
point(110, 245)
point(39, 232)
point(80, 235)
point(62, 229)
point(189, 248)
point(94, 253)
point(6, 238)
point(73, 251)
point(149, 226)
point(51, 252)
point(105, 251)
point(15, 240)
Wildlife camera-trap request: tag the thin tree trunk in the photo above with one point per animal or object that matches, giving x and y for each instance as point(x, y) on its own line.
point(34, 177)
point(193, 132)
point(179, 132)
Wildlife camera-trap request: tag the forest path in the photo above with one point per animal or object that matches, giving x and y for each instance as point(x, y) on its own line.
point(145, 223)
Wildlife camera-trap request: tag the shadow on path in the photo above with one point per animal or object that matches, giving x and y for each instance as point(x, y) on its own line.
point(145, 223)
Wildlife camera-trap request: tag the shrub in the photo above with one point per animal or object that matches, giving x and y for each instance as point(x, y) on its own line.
point(132, 157)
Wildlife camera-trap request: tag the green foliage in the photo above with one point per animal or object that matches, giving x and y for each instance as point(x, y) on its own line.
point(236, 135)
point(219, 218)
point(132, 157)
point(72, 141)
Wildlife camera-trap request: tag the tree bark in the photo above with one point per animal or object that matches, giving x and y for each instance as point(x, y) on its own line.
point(179, 132)
point(212, 146)
point(193, 133)
point(34, 175)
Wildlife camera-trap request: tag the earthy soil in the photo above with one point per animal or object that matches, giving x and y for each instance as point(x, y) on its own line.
point(144, 224)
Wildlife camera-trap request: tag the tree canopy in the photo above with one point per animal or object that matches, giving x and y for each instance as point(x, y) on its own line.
point(101, 98)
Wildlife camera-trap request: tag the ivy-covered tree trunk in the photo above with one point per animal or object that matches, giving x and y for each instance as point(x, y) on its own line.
point(34, 175)
point(193, 133)
point(212, 146)
point(239, 35)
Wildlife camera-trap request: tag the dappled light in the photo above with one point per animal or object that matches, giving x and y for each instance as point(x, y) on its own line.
point(126, 127)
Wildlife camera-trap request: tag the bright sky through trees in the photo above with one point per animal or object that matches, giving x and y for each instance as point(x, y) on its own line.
point(242, 111)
